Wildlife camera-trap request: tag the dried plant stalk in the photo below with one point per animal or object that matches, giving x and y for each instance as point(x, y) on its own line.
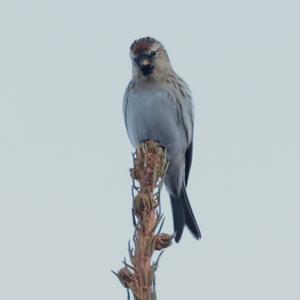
point(150, 166)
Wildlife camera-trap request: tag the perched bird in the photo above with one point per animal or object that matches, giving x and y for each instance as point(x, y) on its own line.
point(158, 106)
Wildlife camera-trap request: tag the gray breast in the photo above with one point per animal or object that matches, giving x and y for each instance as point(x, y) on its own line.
point(152, 113)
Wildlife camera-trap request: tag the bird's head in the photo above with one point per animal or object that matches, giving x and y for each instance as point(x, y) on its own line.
point(149, 58)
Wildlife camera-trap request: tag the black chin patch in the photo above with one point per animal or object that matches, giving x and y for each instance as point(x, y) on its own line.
point(147, 70)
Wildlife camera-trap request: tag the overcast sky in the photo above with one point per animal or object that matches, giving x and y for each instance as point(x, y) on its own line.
point(65, 198)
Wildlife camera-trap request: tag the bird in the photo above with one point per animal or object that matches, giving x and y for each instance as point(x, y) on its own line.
point(157, 105)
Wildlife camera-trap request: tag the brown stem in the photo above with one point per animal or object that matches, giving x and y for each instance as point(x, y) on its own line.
point(150, 166)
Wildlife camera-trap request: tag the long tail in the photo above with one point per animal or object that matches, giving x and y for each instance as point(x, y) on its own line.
point(183, 215)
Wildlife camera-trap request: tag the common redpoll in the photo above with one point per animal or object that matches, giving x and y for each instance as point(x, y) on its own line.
point(158, 106)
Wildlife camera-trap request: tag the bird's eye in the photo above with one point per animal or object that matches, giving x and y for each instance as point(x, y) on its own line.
point(152, 54)
point(136, 61)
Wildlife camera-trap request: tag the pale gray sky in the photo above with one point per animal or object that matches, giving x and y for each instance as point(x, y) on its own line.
point(64, 155)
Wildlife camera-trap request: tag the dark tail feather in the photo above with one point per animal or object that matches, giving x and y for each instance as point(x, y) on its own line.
point(183, 214)
point(178, 216)
point(190, 219)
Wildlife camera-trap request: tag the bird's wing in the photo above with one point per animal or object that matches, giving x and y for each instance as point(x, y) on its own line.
point(125, 99)
point(188, 161)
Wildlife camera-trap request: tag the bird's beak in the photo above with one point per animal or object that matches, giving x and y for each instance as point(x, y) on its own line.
point(146, 66)
point(145, 62)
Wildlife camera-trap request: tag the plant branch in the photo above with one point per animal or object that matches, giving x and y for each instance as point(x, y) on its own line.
point(149, 169)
